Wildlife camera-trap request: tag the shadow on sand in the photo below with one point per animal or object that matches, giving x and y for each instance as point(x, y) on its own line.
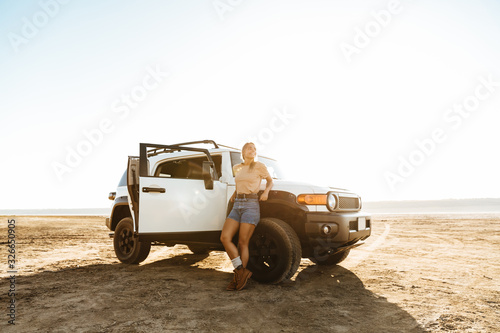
point(176, 295)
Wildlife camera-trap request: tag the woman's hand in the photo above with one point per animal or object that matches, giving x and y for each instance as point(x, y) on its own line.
point(269, 185)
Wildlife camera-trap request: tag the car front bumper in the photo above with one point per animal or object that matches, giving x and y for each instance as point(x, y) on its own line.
point(344, 228)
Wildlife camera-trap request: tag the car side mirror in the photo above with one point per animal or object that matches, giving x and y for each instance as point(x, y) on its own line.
point(208, 174)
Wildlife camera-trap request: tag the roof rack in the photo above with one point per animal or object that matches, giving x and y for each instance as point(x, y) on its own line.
point(177, 147)
point(196, 142)
point(144, 153)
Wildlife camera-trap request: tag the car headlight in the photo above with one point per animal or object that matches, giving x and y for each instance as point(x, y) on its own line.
point(311, 199)
point(331, 202)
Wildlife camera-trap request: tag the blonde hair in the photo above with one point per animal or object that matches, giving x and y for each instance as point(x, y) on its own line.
point(245, 146)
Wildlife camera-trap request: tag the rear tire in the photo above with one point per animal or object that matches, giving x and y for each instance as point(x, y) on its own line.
point(128, 249)
point(275, 251)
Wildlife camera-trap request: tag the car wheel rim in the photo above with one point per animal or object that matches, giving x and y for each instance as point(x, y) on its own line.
point(264, 252)
point(127, 241)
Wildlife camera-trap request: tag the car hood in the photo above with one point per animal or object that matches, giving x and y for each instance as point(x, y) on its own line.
point(302, 187)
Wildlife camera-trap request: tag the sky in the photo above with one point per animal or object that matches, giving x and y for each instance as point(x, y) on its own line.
point(394, 100)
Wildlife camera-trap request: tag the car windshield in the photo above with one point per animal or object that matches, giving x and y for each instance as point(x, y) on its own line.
point(272, 165)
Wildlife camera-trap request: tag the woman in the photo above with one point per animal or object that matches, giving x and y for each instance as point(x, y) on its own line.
point(245, 214)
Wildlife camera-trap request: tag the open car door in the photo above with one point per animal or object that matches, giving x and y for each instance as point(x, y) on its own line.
point(185, 197)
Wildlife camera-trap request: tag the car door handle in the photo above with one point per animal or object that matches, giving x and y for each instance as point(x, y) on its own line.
point(153, 189)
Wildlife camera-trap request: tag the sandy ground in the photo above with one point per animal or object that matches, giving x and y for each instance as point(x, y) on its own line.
point(416, 273)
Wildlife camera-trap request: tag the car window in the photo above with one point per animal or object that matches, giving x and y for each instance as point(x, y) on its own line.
point(187, 168)
point(235, 159)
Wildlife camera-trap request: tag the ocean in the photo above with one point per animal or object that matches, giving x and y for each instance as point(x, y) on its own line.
point(489, 205)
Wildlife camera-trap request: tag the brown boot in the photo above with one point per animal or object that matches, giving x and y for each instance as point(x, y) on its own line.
point(242, 276)
point(232, 285)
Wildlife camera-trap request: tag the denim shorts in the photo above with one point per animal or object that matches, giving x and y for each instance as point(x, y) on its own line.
point(246, 211)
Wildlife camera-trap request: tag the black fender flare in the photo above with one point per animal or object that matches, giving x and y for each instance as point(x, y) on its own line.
point(119, 203)
point(276, 197)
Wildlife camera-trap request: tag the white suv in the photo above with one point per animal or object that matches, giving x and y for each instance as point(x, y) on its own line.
point(180, 194)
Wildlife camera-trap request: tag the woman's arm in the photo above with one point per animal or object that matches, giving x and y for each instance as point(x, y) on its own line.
point(269, 185)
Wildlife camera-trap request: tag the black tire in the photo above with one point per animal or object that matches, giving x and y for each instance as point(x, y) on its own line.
point(128, 249)
point(199, 249)
point(330, 260)
point(275, 251)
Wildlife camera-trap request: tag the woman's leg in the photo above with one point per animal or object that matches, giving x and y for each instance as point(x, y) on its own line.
point(246, 232)
point(229, 229)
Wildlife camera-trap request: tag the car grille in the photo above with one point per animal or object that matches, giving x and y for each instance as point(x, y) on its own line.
point(349, 203)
